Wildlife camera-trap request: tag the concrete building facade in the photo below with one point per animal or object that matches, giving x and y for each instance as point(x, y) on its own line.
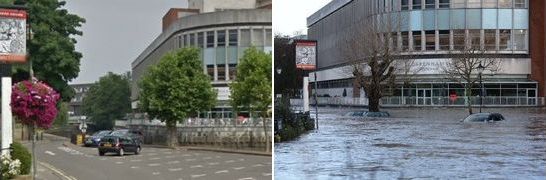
point(429, 32)
point(222, 30)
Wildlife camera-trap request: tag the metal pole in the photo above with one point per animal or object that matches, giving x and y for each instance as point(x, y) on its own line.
point(316, 101)
point(481, 93)
point(34, 151)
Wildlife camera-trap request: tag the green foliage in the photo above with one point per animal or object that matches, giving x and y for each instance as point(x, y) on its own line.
point(51, 49)
point(251, 90)
point(176, 88)
point(20, 152)
point(6, 2)
point(107, 100)
point(62, 116)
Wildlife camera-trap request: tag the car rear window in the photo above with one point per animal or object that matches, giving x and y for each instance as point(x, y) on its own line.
point(111, 140)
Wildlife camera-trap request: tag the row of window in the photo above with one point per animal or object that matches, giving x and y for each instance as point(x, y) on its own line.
point(396, 5)
point(222, 72)
point(490, 40)
point(223, 38)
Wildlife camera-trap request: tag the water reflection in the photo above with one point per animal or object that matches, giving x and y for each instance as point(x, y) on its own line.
point(418, 143)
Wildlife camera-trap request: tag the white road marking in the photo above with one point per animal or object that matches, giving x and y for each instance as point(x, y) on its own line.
point(59, 172)
point(214, 163)
point(154, 164)
point(173, 162)
point(134, 167)
point(198, 175)
point(247, 178)
point(102, 159)
point(266, 174)
point(222, 171)
point(50, 153)
point(238, 168)
point(241, 159)
point(175, 169)
point(167, 153)
point(119, 162)
point(155, 173)
point(196, 166)
point(152, 154)
point(257, 165)
point(136, 160)
point(230, 161)
point(156, 158)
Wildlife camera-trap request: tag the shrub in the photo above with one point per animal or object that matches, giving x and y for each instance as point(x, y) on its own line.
point(20, 152)
point(10, 167)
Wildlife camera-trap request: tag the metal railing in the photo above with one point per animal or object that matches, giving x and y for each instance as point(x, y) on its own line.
point(200, 122)
point(399, 101)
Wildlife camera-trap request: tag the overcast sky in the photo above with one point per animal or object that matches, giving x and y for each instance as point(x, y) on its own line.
point(290, 16)
point(115, 32)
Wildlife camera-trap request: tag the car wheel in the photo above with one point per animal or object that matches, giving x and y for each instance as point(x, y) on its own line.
point(121, 152)
point(137, 150)
point(101, 153)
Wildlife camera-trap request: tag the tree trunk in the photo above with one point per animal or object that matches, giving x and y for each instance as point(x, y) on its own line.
point(172, 139)
point(468, 94)
point(373, 105)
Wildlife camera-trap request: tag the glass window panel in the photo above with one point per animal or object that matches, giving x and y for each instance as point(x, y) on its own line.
point(489, 19)
point(458, 39)
point(405, 41)
point(521, 19)
point(404, 21)
point(474, 37)
point(210, 72)
point(233, 37)
point(490, 39)
point(505, 18)
point(430, 4)
point(417, 40)
point(232, 55)
point(221, 38)
point(490, 3)
point(504, 39)
point(443, 3)
point(416, 4)
point(474, 19)
point(430, 40)
point(416, 20)
point(221, 72)
point(220, 55)
point(209, 56)
point(473, 4)
point(519, 39)
point(404, 5)
point(258, 37)
point(245, 38)
point(457, 3)
point(192, 40)
point(268, 36)
point(186, 40)
point(200, 39)
point(443, 19)
point(232, 71)
point(394, 41)
point(505, 3)
point(210, 39)
point(444, 39)
point(519, 4)
point(458, 19)
point(429, 20)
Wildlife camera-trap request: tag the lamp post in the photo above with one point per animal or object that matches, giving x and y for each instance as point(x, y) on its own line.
point(480, 72)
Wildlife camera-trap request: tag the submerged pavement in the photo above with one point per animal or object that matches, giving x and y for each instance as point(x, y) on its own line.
point(418, 143)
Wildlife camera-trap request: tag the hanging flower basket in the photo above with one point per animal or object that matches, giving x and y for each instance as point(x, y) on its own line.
point(34, 103)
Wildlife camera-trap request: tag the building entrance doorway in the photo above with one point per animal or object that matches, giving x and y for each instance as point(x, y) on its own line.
point(424, 96)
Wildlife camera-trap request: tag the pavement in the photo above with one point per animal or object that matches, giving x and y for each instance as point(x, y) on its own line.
point(59, 159)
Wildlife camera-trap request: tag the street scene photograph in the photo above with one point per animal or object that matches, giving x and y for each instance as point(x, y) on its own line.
point(409, 89)
point(136, 89)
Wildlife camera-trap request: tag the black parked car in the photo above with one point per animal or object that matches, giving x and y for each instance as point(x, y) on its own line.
point(119, 145)
point(484, 117)
point(94, 139)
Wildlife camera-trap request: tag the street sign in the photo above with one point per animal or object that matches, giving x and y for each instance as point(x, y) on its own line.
point(13, 35)
point(306, 54)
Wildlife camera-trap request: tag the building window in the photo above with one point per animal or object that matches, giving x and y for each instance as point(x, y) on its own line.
point(221, 72)
point(490, 39)
point(519, 4)
point(458, 39)
point(245, 38)
point(417, 40)
point(210, 39)
point(180, 41)
point(416, 4)
point(186, 40)
point(430, 40)
point(430, 4)
point(504, 39)
point(258, 37)
point(233, 37)
point(474, 37)
point(200, 39)
point(210, 71)
point(443, 4)
point(457, 3)
point(490, 3)
point(444, 39)
point(404, 5)
point(232, 71)
point(505, 3)
point(405, 41)
point(221, 35)
point(268, 37)
point(519, 39)
point(473, 4)
point(394, 41)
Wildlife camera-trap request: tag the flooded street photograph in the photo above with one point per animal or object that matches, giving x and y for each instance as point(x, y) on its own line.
point(415, 143)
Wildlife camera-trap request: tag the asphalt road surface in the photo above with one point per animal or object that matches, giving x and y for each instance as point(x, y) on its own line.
point(74, 162)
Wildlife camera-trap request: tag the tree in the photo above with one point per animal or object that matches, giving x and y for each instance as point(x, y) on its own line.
point(372, 54)
point(62, 116)
point(251, 91)
point(463, 69)
point(175, 89)
point(107, 100)
point(51, 49)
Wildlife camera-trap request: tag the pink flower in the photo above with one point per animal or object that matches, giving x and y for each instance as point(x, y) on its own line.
point(34, 103)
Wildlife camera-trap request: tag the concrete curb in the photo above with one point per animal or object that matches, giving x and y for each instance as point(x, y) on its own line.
point(226, 151)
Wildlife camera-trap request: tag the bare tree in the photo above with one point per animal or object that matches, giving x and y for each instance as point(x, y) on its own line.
point(463, 69)
point(372, 50)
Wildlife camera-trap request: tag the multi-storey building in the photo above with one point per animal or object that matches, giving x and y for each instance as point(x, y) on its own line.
point(433, 32)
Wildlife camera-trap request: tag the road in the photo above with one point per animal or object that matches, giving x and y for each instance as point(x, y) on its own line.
point(417, 143)
point(74, 162)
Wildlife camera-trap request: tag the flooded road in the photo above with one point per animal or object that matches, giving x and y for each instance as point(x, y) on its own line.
point(417, 144)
